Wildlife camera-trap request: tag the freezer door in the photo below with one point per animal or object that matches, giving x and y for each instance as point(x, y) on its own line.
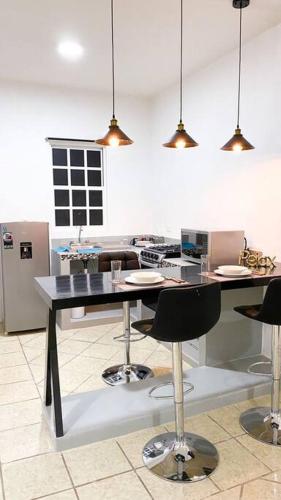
point(24, 255)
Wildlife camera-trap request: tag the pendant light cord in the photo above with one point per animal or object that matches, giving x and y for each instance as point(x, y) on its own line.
point(181, 49)
point(239, 73)
point(112, 61)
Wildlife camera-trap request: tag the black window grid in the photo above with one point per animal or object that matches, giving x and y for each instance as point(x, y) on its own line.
point(89, 208)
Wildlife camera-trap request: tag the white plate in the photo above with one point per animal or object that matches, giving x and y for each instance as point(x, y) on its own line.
point(133, 281)
point(235, 275)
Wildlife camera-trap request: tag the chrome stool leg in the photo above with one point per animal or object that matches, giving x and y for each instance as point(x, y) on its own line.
point(264, 423)
point(180, 456)
point(128, 372)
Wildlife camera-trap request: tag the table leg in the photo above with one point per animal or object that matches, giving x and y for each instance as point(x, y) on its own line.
point(52, 335)
point(47, 387)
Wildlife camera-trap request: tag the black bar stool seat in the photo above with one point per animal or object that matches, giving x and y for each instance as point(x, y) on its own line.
point(182, 314)
point(251, 312)
point(264, 423)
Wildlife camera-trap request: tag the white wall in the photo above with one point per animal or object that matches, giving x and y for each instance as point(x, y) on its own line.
point(29, 113)
point(208, 188)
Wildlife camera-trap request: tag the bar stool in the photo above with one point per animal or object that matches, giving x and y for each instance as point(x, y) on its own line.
point(264, 423)
point(182, 314)
point(128, 371)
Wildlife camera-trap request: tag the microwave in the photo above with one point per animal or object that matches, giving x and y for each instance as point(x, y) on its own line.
point(223, 247)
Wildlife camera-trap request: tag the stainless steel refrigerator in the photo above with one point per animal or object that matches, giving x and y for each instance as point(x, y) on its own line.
point(24, 254)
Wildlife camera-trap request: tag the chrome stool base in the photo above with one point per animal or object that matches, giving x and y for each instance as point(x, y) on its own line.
point(122, 374)
point(193, 459)
point(259, 424)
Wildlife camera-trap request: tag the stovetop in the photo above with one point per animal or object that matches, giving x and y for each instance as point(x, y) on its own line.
point(164, 248)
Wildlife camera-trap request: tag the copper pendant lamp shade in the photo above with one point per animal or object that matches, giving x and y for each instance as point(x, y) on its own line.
point(115, 136)
point(181, 139)
point(238, 142)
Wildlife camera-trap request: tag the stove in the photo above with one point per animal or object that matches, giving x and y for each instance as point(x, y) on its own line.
point(154, 255)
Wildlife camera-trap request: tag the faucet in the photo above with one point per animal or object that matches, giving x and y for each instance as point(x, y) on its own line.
point(79, 234)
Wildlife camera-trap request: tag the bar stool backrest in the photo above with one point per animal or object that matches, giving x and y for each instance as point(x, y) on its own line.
point(186, 313)
point(270, 311)
point(129, 260)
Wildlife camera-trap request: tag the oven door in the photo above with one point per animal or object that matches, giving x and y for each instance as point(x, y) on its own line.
point(145, 265)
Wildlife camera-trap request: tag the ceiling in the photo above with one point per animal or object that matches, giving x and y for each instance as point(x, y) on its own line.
point(147, 39)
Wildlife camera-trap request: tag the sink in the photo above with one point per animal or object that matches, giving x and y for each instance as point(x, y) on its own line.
point(83, 246)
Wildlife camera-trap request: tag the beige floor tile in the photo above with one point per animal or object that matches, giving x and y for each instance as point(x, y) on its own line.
point(132, 444)
point(232, 494)
point(86, 364)
point(8, 338)
point(123, 487)
point(253, 403)
point(107, 338)
point(228, 418)
point(64, 495)
point(63, 358)
point(38, 372)
point(95, 461)
point(101, 351)
point(166, 490)
point(20, 414)
point(261, 490)
point(160, 359)
point(24, 442)
point(35, 477)
point(204, 426)
point(71, 378)
point(20, 391)
point(31, 353)
point(7, 347)
point(25, 337)
point(274, 476)
point(236, 465)
point(14, 374)
point(92, 384)
point(269, 455)
point(137, 355)
point(38, 342)
point(12, 359)
point(92, 334)
point(73, 346)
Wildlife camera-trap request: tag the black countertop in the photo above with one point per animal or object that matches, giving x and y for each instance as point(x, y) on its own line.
point(67, 291)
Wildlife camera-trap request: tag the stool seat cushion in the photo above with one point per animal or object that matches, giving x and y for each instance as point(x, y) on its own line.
point(143, 326)
point(251, 311)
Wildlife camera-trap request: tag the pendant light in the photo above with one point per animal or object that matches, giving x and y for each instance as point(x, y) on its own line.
point(115, 136)
point(181, 139)
point(238, 142)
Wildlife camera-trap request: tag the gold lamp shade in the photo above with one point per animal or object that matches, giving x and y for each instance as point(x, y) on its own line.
point(237, 143)
point(115, 136)
point(181, 139)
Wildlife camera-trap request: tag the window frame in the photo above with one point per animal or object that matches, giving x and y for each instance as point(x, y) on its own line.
point(85, 145)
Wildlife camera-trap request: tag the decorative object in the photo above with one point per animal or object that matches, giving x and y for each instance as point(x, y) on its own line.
point(238, 142)
point(181, 139)
point(115, 136)
point(255, 258)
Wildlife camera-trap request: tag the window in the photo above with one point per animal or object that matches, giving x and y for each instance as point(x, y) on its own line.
point(78, 182)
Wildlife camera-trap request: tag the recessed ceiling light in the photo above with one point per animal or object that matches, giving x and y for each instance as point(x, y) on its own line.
point(70, 50)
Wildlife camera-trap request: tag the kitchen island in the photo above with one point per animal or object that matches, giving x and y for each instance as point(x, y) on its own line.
point(100, 414)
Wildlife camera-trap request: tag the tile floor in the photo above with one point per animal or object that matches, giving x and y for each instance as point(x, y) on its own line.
point(112, 469)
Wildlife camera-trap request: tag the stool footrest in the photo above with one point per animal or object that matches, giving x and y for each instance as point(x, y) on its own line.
point(189, 388)
point(123, 338)
point(260, 363)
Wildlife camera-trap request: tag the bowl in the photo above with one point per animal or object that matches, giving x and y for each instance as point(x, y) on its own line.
point(146, 276)
point(233, 269)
